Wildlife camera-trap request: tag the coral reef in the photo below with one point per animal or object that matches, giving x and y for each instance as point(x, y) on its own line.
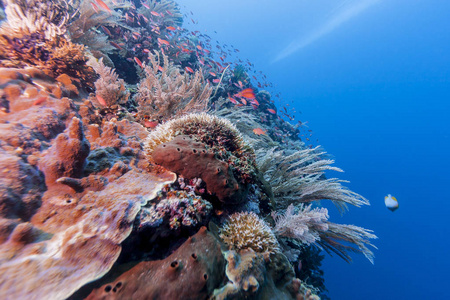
point(193, 271)
point(110, 166)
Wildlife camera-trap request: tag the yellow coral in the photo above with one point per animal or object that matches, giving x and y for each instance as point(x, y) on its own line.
point(246, 230)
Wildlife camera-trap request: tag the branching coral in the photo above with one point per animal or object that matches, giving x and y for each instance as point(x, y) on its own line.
point(165, 92)
point(109, 87)
point(299, 178)
point(247, 230)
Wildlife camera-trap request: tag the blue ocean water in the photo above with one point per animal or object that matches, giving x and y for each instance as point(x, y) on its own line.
point(372, 79)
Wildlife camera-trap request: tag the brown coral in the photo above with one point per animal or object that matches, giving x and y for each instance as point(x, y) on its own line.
point(193, 271)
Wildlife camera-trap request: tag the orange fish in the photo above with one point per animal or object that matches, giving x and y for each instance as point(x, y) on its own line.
point(95, 7)
point(101, 100)
point(164, 42)
point(213, 74)
point(232, 100)
point(115, 45)
point(106, 30)
point(271, 111)
point(258, 131)
point(255, 102)
point(216, 80)
point(103, 5)
point(160, 69)
point(40, 100)
point(189, 70)
point(155, 13)
point(150, 124)
point(138, 61)
point(248, 93)
point(244, 101)
point(171, 28)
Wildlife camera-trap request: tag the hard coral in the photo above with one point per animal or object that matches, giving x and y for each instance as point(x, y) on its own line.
point(193, 271)
point(220, 135)
point(192, 160)
point(247, 230)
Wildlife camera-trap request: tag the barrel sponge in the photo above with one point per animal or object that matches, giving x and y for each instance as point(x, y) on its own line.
point(192, 160)
point(218, 134)
point(246, 230)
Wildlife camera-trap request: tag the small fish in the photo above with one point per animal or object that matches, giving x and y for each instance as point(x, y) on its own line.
point(216, 80)
point(101, 100)
point(150, 124)
point(164, 42)
point(138, 61)
point(254, 102)
point(115, 45)
point(154, 13)
point(103, 5)
point(212, 74)
point(272, 111)
point(232, 100)
point(145, 5)
point(248, 93)
point(259, 131)
point(189, 70)
point(171, 28)
point(40, 100)
point(95, 7)
point(106, 30)
point(391, 202)
point(160, 69)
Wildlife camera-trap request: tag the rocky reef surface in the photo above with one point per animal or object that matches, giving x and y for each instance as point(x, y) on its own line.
point(135, 165)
